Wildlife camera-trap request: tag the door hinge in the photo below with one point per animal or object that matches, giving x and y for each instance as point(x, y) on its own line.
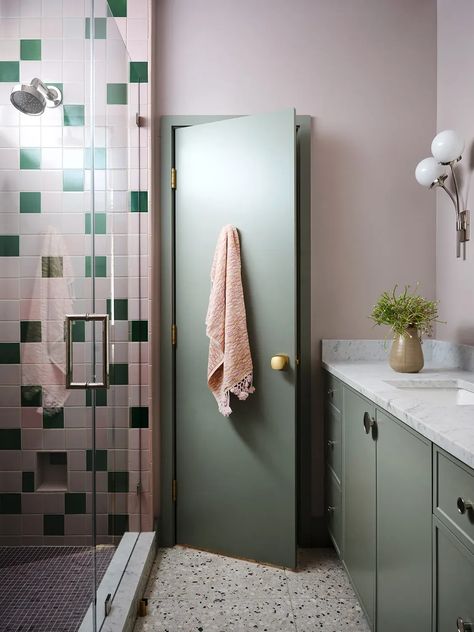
point(174, 334)
point(139, 120)
point(173, 178)
point(173, 490)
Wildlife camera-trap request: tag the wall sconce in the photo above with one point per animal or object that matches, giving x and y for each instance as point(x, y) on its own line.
point(447, 148)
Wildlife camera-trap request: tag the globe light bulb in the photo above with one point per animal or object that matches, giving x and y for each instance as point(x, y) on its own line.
point(428, 171)
point(447, 146)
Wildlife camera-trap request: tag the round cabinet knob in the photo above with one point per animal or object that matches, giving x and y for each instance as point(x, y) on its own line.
point(331, 509)
point(464, 626)
point(331, 444)
point(279, 362)
point(464, 505)
point(369, 422)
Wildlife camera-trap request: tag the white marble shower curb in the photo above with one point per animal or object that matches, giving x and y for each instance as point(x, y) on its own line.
point(125, 579)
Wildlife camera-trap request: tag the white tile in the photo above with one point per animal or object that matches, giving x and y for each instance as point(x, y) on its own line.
point(73, 71)
point(51, 49)
point(137, 28)
point(29, 69)
point(73, 137)
point(9, 115)
point(10, 331)
point(51, 158)
point(51, 136)
point(9, 310)
point(73, 201)
point(9, 288)
point(30, 8)
point(137, 49)
point(52, 27)
point(52, 8)
point(137, 9)
point(73, 158)
point(30, 136)
point(9, 202)
point(117, 158)
point(73, 8)
point(73, 28)
point(9, 136)
point(9, 224)
point(9, 28)
point(32, 224)
point(9, 50)
point(30, 28)
point(74, 92)
point(31, 245)
point(9, 8)
point(52, 71)
point(10, 267)
point(100, 8)
point(52, 202)
point(9, 180)
point(10, 157)
point(52, 116)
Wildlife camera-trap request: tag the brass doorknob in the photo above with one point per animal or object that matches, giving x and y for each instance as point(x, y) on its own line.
point(279, 362)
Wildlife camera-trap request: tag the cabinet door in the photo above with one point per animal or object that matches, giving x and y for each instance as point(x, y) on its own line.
point(454, 582)
point(359, 542)
point(403, 528)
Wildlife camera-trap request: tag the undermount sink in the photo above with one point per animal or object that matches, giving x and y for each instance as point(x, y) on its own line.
point(443, 393)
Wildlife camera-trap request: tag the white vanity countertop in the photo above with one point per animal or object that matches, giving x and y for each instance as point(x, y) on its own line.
point(451, 427)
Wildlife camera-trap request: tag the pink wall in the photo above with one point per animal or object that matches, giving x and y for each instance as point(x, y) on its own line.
point(455, 278)
point(366, 72)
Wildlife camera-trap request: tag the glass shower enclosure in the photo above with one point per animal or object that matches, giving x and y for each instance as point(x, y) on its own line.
point(72, 322)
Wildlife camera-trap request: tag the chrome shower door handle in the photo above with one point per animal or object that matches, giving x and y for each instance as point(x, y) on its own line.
point(104, 319)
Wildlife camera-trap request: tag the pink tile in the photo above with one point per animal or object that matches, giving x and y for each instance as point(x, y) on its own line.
point(54, 439)
point(10, 460)
point(77, 524)
point(10, 481)
point(32, 524)
point(53, 502)
point(117, 503)
point(33, 503)
point(31, 418)
point(10, 525)
point(32, 439)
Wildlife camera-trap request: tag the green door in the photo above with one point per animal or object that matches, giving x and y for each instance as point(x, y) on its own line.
point(359, 499)
point(236, 476)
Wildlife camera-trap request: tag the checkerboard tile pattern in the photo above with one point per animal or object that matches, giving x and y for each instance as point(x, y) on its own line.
point(57, 196)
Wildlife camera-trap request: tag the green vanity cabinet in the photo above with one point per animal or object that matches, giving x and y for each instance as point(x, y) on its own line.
point(359, 498)
point(453, 582)
point(403, 528)
point(333, 442)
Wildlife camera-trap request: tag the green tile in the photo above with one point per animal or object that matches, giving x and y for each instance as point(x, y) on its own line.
point(30, 49)
point(100, 460)
point(118, 524)
point(53, 418)
point(30, 158)
point(78, 330)
point(118, 482)
point(10, 503)
point(74, 503)
point(100, 31)
point(117, 93)
point(100, 223)
point(100, 397)
point(138, 330)
point(9, 245)
point(138, 72)
point(139, 201)
point(118, 8)
point(27, 481)
point(30, 330)
point(100, 266)
point(118, 373)
point(32, 395)
point(9, 353)
point(30, 202)
point(73, 180)
point(10, 71)
point(53, 524)
point(120, 308)
point(51, 267)
point(138, 417)
point(10, 439)
point(73, 115)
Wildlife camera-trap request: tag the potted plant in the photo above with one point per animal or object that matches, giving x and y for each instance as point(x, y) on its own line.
point(411, 317)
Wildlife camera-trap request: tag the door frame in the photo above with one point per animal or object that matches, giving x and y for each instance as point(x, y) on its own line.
point(167, 372)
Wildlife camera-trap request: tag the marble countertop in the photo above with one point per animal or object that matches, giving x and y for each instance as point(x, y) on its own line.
point(451, 427)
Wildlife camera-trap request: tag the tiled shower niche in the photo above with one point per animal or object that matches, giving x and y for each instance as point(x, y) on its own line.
point(73, 222)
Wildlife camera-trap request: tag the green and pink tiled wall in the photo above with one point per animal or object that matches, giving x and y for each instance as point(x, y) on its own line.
point(49, 180)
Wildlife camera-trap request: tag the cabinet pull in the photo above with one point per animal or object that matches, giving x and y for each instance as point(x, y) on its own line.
point(331, 444)
point(331, 392)
point(463, 626)
point(464, 505)
point(369, 423)
point(331, 509)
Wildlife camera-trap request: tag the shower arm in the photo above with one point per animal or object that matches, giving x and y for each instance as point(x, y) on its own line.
point(37, 83)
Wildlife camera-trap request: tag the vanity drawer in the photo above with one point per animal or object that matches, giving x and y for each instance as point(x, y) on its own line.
point(333, 441)
point(333, 391)
point(454, 495)
point(334, 510)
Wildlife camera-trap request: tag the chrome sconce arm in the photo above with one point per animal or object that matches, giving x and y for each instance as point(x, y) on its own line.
point(447, 148)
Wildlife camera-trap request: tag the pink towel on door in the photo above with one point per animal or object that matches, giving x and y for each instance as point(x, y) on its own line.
point(230, 368)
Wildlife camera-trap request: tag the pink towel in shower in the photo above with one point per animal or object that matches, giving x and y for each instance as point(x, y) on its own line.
point(230, 368)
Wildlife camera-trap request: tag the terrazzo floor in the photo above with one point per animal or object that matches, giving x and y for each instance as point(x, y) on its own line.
point(195, 591)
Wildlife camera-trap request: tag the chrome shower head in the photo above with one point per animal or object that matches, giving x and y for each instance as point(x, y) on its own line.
point(34, 97)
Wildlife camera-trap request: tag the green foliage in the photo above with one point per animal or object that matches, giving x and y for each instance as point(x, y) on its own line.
point(404, 311)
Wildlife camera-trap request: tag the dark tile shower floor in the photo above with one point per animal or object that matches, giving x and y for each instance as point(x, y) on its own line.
point(47, 588)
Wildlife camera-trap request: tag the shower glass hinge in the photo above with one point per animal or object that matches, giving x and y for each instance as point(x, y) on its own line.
point(173, 178)
point(139, 120)
point(174, 334)
point(139, 487)
point(173, 490)
point(108, 605)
